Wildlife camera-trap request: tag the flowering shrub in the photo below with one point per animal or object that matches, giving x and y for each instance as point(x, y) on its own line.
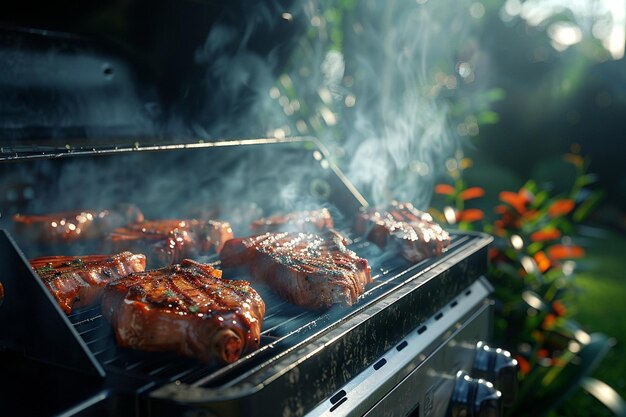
point(532, 265)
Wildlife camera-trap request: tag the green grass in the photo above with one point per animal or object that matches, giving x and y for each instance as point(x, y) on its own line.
point(600, 306)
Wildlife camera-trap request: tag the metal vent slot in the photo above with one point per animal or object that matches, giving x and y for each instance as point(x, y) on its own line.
point(337, 397)
point(380, 364)
point(334, 407)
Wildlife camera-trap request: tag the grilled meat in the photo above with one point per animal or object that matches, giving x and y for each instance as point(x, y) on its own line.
point(302, 221)
point(402, 227)
point(170, 241)
point(187, 308)
point(76, 225)
point(311, 271)
point(78, 281)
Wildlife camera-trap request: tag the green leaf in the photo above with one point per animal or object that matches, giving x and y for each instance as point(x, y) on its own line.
point(585, 208)
point(488, 118)
point(495, 94)
point(586, 179)
point(534, 247)
point(540, 198)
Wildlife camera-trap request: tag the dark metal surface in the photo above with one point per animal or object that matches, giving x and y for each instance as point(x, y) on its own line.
point(59, 87)
point(241, 178)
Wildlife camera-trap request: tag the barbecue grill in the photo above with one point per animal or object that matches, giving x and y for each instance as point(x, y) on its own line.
point(414, 344)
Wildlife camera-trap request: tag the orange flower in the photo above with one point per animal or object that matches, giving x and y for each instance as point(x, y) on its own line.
point(516, 200)
point(531, 215)
point(501, 209)
point(473, 192)
point(558, 252)
point(547, 233)
point(510, 219)
point(524, 366)
point(470, 215)
point(445, 189)
point(574, 159)
point(558, 308)
point(549, 321)
point(543, 263)
point(560, 207)
point(543, 353)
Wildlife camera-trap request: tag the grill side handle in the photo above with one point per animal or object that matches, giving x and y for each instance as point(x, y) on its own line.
point(32, 323)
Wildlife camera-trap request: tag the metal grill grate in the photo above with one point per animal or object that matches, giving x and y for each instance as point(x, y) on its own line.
point(284, 326)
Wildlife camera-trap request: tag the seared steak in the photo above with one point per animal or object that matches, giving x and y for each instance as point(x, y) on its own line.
point(76, 225)
point(187, 308)
point(311, 271)
point(402, 227)
point(78, 281)
point(170, 241)
point(302, 221)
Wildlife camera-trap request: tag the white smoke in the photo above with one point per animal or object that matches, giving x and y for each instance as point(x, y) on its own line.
point(368, 78)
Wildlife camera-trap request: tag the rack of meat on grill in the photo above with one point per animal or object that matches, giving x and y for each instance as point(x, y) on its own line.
point(211, 289)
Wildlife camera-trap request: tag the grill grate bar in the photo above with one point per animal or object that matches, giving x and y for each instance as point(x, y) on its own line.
point(283, 324)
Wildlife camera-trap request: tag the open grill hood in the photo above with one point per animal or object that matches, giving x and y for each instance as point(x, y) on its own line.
point(305, 356)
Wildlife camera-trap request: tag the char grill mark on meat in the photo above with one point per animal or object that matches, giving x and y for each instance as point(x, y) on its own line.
point(302, 221)
point(79, 281)
point(170, 241)
point(187, 308)
point(311, 271)
point(75, 226)
point(402, 227)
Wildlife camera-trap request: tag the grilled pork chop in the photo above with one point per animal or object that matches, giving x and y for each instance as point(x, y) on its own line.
point(404, 228)
point(187, 308)
point(78, 281)
point(302, 221)
point(76, 225)
point(311, 271)
point(170, 241)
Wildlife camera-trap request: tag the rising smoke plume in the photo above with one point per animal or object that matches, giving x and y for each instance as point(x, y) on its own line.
point(368, 78)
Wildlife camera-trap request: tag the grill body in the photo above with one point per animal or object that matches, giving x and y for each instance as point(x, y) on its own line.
point(306, 359)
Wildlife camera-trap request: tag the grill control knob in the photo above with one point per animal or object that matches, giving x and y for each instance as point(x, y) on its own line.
point(474, 398)
point(496, 365)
